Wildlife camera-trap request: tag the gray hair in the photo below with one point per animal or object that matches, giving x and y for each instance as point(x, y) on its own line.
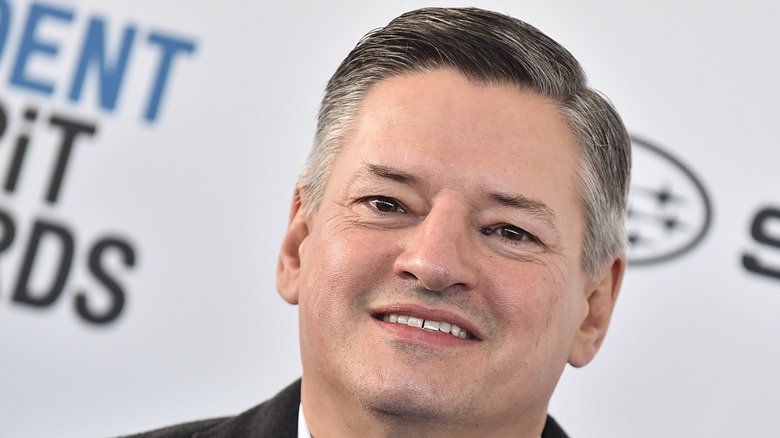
point(487, 48)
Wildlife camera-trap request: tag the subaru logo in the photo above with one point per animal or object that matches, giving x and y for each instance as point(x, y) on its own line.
point(669, 210)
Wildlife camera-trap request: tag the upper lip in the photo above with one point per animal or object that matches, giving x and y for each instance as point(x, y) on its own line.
point(428, 313)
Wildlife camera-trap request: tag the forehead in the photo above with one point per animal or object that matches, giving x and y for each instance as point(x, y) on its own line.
point(502, 109)
point(443, 116)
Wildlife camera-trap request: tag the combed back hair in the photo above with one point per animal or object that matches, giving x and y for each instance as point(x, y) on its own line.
point(491, 49)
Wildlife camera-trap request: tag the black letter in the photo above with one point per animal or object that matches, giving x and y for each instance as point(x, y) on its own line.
point(9, 231)
point(3, 119)
point(71, 128)
point(19, 152)
point(750, 262)
point(21, 292)
point(116, 292)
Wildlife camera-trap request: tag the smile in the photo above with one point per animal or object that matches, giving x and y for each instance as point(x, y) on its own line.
point(428, 325)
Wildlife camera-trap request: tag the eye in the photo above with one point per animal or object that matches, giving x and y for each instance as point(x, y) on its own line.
point(513, 233)
point(510, 233)
point(385, 205)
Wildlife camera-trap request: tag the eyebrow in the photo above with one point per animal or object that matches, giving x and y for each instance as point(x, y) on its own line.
point(532, 206)
point(386, 172)
point(521, 202)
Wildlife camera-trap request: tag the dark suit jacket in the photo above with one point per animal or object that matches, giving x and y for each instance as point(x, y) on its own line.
point(276, 418)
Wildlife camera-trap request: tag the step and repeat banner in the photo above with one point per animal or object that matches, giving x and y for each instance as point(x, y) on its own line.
point(148, 152)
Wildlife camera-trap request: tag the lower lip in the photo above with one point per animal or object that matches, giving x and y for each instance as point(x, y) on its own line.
point(420, 336)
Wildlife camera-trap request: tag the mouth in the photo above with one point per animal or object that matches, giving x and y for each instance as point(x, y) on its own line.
point(428, 325)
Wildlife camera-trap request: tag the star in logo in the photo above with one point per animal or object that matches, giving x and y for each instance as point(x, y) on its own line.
point(669, 221)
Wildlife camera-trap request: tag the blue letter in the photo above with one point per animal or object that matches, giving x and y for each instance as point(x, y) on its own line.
point(31, 45)
point(170, 47)
point(110, 76)
point(5, 24)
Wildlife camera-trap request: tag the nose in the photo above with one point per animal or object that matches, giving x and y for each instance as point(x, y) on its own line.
point(440, 252)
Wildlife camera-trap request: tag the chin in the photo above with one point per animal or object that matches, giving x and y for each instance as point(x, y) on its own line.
point(410, 400)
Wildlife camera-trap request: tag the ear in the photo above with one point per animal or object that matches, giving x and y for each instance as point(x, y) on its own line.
point(289, 268)
point(600, 301)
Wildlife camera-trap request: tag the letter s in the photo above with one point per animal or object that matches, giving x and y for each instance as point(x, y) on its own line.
point(760, 234)
point(115, 291)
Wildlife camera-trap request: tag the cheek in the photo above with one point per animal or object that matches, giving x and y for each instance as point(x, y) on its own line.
point(325, 268)
point(341, 267)
point(537, 306)
point(530, 291)
point(340, 264)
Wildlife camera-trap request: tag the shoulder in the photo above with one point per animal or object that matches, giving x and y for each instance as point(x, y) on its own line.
point(552, 429)
point(182, 430)
point(277, 417)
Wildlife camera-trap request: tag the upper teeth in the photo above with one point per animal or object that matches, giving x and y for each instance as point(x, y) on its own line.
point(427, 324)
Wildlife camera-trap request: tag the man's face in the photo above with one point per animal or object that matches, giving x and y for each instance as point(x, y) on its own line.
point(453, 206)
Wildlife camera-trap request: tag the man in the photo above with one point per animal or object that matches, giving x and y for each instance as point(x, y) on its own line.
point(456, 236)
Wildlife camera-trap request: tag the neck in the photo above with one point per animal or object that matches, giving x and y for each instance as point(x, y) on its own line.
point(332, 414)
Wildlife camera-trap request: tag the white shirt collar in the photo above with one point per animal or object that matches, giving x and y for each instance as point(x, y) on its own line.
point(303, 429)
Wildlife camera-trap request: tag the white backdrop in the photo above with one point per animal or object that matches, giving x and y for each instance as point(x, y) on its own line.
point(183, 210)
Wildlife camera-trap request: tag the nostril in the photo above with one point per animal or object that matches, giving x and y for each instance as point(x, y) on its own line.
point(436, 254)
point(435, 268)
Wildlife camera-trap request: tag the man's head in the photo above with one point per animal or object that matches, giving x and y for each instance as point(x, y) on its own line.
point(456, 237)
point(487, 48)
